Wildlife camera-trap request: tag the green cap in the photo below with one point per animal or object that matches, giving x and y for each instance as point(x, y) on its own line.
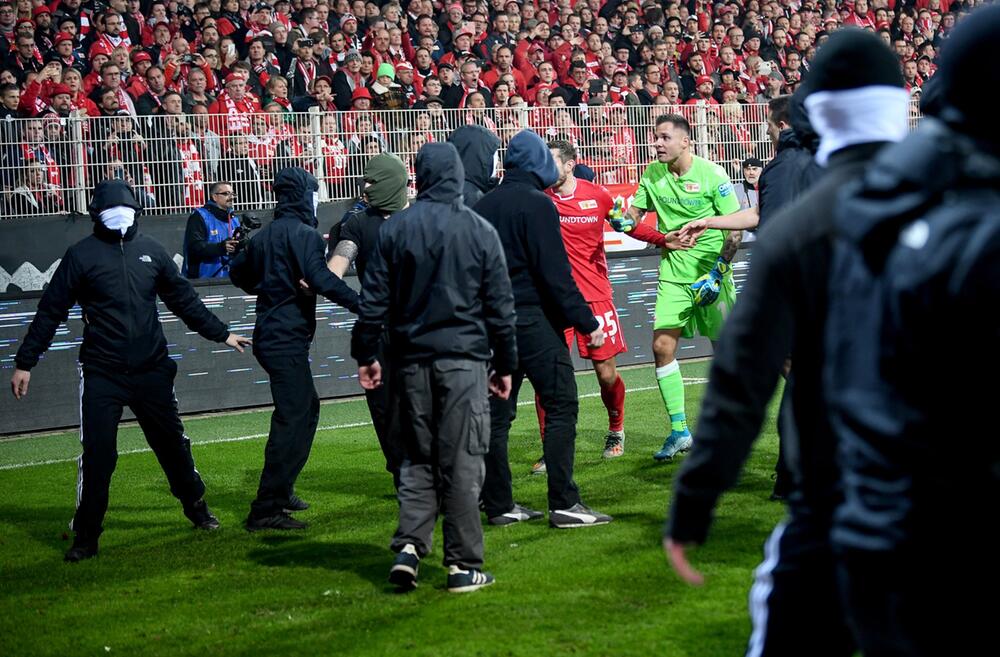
point(385, 68)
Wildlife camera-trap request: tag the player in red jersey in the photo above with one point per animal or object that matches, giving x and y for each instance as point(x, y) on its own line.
point(583, 208)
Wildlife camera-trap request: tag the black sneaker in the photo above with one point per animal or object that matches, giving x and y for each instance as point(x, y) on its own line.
point(202, 518)
point(281, 521)
point(403, 574)
point(465, 581)
point(577, 515)
point(295, 503)
point(517, 514)
point(82, 549)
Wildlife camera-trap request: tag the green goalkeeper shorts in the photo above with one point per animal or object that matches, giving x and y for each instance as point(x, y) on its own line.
point(675, 308)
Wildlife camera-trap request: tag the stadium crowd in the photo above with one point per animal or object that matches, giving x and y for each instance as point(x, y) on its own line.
point(180, 94)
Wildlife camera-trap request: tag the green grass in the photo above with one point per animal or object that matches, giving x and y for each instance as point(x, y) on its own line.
point(161, 588)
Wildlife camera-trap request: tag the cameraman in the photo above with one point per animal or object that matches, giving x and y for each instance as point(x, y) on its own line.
point(210, 238)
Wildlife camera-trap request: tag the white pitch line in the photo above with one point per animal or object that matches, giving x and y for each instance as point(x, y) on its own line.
point(255, 436)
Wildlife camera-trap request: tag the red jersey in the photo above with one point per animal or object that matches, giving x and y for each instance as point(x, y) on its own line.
point(581, 220)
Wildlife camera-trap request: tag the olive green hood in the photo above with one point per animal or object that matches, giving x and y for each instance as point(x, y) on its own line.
point(385, 183)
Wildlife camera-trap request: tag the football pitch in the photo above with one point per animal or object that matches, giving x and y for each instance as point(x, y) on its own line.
point(160, 587)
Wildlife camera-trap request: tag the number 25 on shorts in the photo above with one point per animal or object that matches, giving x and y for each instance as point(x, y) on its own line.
point(608, 325)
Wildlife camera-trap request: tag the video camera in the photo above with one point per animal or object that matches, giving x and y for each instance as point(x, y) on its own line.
point(248, 224)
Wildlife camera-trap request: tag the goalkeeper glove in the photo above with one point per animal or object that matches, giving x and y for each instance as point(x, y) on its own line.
point(619, 219)
point(706, 289)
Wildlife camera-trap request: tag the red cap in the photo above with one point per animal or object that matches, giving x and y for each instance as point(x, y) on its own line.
point(328, 79)
point(141, 56)
point(62, 36)
point(361, 92)
point(702, 79)
point(465, 30)
point(41, 10)
point(404, 65)
point(101, 48)
point(22, 21)
point(57, 89)
point(234, 77)
point(348, 17)
point(455, 5)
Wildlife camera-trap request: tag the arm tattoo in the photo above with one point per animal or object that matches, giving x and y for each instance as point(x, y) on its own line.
point(732, 243)
point(346, 249)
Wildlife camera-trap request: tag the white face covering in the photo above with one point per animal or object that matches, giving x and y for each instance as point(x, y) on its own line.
point(315, 203)
point(496, 165)
point(857, 116)
point(118, 218)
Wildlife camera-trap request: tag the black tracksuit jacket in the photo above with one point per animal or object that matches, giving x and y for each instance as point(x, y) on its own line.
point(116, 280)
point(288, 250)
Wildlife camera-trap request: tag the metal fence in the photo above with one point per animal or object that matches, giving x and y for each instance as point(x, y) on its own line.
point(50, 165)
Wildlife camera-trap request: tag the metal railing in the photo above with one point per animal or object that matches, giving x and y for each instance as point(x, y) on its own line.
point(51, 165)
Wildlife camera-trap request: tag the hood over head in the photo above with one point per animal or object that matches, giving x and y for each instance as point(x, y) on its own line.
point(298, 195)
point(478, 149)
point(528, 153)
point(110, 194)
point(385, 182)
point(439, 173)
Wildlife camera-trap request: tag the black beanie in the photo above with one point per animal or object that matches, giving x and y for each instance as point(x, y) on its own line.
point(963, 74)
point(852, 58)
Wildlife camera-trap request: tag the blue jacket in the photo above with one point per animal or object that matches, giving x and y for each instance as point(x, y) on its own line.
point(208, 228)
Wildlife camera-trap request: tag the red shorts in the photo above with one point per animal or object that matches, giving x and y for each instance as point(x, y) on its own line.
point(614, 339)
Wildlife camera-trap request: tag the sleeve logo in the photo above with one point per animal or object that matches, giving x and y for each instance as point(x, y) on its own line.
point(725, 189)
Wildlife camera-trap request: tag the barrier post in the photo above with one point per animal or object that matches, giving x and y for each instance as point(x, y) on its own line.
point(316, 127)
point(75, 125)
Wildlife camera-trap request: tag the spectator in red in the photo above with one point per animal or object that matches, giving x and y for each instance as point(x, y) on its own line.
point(136, 85)
point(78, 100)
point(705, 87)
point(235, 106)
point(503, 63)
point(454, 22)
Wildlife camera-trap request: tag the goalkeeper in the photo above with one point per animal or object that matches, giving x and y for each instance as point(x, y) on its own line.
point(695, 290)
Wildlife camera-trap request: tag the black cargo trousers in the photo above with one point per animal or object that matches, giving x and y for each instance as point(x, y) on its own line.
point(150, 395)
point(544, 359)
point(383, 406)
point(444, 427)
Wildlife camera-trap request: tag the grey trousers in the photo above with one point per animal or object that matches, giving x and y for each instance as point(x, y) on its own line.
point(445, 428)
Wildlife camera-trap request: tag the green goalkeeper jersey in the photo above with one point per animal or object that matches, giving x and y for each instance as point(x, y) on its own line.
point(704, 191)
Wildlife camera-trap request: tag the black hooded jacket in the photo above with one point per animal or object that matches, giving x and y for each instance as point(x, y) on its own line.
point(288, 250)
point(919, 249)
point(116, 278)
point(437, 280)
point(528, 225)
point(793, 168)
point(477, 147)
